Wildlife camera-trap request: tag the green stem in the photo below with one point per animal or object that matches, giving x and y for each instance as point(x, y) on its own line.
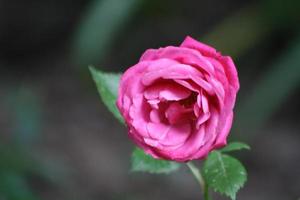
point(198, 176)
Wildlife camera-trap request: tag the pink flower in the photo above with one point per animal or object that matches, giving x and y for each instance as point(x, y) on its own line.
point(178, 101)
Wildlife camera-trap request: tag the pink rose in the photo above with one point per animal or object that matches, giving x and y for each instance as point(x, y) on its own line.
point(178, 101)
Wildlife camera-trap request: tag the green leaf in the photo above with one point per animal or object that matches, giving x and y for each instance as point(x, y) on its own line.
point(101, 23)
point(229, 37)
point(224, 174)
point(235, 146)
point(15, 159)
point(107, 85)
point(14, 187)
point(279, 83)
point(145, 163)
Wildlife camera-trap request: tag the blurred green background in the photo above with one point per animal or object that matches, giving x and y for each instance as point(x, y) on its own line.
point(58, 141)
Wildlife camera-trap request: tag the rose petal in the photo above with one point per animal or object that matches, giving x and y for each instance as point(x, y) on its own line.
point(150, 76)
point(176, 113)
point(204, 104)
point(163, 69)
point(191, 145)
point(204, 49)
point(139, 108)
point(187, 56)
point(158, 131)
point(134, 135)
point(154, 103)
point(130, 87)
point(177, 135)
point(202, 118)
point(199, 101)
point(174, 93)
point(189, 85)
point(219, 90)
point(221, 138)
point(167, 91)
point(155, 116)
point(203, 84)
point(196, 110)
point(230, 71)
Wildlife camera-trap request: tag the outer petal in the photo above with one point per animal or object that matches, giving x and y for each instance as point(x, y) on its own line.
point(128, 87)
point(222, 136)
point(230, 71)
point(208, 51)
point(185, 152)
point(182, 55)
point(173, 71)
point(204, 49)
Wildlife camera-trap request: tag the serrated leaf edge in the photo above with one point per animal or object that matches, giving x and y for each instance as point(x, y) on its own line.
point(233, 197)
point(100, 89)
point(244, 147)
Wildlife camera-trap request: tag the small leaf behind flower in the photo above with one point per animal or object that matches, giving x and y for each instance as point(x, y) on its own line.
point(145, 163)
point(224, 174)
point(235, 146)
point(107, 85)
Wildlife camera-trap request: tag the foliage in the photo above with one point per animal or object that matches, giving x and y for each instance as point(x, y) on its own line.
point(15, 166)
point(282, 79)
point(107, 85)
point(145, 163)
point(14, 187)
point(224, 173)
point(99, 26)
point(234, 146)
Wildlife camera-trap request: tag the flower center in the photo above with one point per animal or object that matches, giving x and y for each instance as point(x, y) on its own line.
point(190, 101)
point(178, 112)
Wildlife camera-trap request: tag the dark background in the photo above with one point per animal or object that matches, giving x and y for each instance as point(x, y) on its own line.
point(58, 141)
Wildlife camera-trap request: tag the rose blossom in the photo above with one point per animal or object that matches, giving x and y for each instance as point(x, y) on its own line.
point(178, 101)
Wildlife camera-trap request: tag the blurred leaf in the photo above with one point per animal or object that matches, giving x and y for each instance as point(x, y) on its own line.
point(269, 93)
point(26, 108)
point(103, 21)
point(15, 160)
point(282, 13)
point(14, 187)
point(234, 146)
point(107, 85)
point(145, 163)
point(240, 32)
point(249, 26)
point(224, 174)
